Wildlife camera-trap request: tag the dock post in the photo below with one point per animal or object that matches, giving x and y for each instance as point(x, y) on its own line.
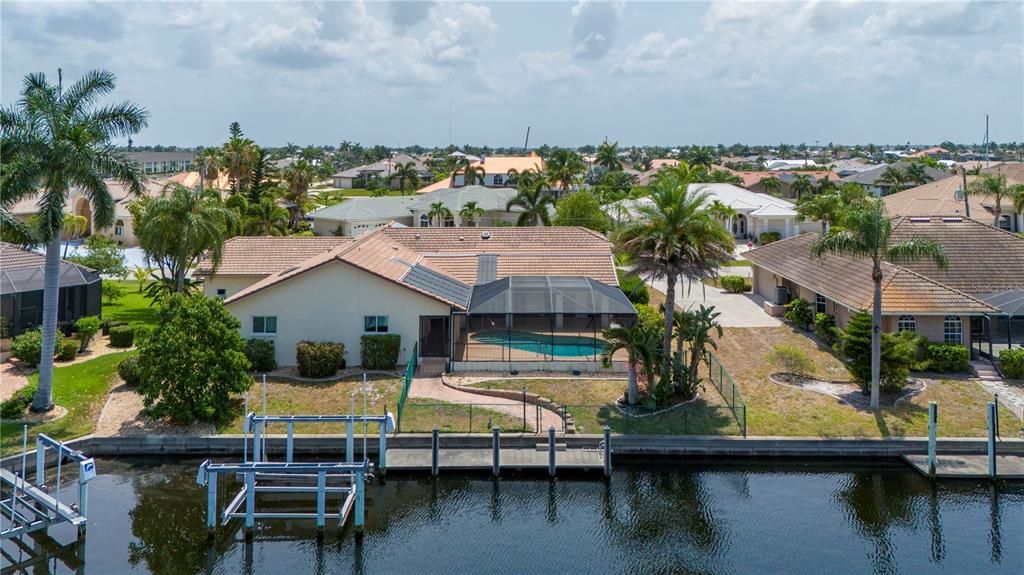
point(349, 442)
point(435, 451)
point(551, 452)
point(211, 504)
point(40, 462)
point(496, 449)
point(83, 497)
point(382, 449)
point(250, 503)
point(321, 501)
point(360, 511)
point(991, 408)
point(257, 453)
point(290, 446)
point(607, 451)
point(933, 421)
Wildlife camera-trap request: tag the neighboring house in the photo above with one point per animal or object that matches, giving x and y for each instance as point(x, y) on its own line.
point(936, 152)
point(849, 167)
point(871, 179)
point(496, 169)
point(489, 299)
point(946, 197)
point(779, 164)
point(21, 290)
point(752, 180)
point(356, 216)
point(383, 169)
point(163, 162)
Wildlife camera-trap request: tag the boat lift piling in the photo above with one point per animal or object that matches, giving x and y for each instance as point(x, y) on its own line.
point(257, 425)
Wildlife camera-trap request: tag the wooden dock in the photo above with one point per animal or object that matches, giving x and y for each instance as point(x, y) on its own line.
point(969, 466)
point(513, 459)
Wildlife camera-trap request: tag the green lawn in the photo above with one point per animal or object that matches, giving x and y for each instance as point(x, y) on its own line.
point(81, 389)
point(737, 264)
point(133, 308)
point(590, 401)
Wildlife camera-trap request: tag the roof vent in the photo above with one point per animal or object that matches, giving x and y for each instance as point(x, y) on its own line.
point(485, 235)
point(417, 236)
point(394, 248)
point(462, 238)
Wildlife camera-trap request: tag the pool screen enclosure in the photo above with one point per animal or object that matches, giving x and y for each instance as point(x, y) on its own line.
point(539, 318)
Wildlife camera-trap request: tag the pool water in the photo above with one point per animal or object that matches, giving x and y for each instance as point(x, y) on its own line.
point(148, 516)
point(555, 345)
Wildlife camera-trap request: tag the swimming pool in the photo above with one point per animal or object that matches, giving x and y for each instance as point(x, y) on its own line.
point(556, 345)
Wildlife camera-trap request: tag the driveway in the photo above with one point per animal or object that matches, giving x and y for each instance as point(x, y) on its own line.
point(738, 310)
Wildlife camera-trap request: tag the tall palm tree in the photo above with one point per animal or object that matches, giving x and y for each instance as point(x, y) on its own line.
point(675, 236)
point(56, 139)
point(564, 169)
point(237, 156)
point(535, 203)
point(893, 178)
point(1017, 199)
point(866, 232)
point(801, 186)
point(993, 186)
point(407, 176)
point(916, 174)
point(608, 156)
point(299, 176)
point(180, 225)
point(641, 347)
point(772, 185)
point(525, 179)
point(266, 218)
point(699, 328)
point(440, 211)
point(470, 212)
point(724, 177)
point(208, 161)
point(73, 227)
point(720, 211)
point(703, 156)
point(822, 207)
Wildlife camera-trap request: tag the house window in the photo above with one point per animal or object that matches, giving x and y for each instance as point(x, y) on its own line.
point(449, 222)
point(1004, 222)
point(222, 293)
point(119, 228)
point(953, 329)
point(424, 221)
point(375, 323)
point(820, 304)
point(906, 323)
point(264, 324)
point(499, 180)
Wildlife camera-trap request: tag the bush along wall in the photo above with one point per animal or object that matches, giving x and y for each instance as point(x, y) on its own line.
point(319, 358)
point(380, 351)
point(1012, 362)
point(947, 358)
point(260, 352)
point(122, 336)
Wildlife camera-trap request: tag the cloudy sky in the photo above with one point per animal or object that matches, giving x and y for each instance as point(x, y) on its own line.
point(576, 72)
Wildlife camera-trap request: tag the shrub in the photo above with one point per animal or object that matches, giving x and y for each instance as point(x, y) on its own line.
point(86, 328)
point(122, 336)
point(769, 237)
point(67, 350)
point(898, 354)
point(947, 358)
point(380, 351)
point(1012, 362)
point(734, 284)
point(194, 363)
point(799, 313)
point(634, 287)
point(112, 292)
point(142, 333)
point(649, 318)
point(129, 371)
point(15, 406)
point(791, 359)
point(319, 359)
point(106, 324)
point(826, 330)
point(260, 353)
point(28, 347)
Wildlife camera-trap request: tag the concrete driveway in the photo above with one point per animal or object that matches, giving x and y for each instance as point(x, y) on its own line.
point(738, 310)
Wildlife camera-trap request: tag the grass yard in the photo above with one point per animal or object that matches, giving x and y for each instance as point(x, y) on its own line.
point(590, 401)
point(301, 398)
point(737, 264)
point(81, 389)
point(133, 308)
point(778, 410)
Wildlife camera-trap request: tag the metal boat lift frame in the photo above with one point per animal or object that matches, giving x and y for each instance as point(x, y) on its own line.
point(257, 424)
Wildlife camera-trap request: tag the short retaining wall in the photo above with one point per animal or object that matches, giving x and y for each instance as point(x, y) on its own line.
point(529, 366)
point(532, 398)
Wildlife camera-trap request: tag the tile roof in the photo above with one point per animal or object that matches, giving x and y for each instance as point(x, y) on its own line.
point(1012, 170)
point(22, 270)
point(384, 167)
point(356, 209)
point(982, 259)
point(265, 255)
point(502, 164)
point(13, 257)
point(490, 199)
point(438, 185)
point(939, 198)
point(787, 176)
point(871, 177)
point(847, 280)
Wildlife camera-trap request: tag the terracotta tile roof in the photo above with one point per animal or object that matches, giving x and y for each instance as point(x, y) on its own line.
point(938, 198)
point(502, 164)
point(982, 259)
point(1012, 170)
point(847, 280)
point(438, 185)
point(13, 257)
point(265, 255)
point(752, 178)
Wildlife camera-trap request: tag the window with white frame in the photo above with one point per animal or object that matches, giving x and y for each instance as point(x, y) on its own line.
point(906, 323)
point(119, 228)
point(222, 293)
point(375, 324)
point(499, 180)
point(424, 221)
point(264, 324)
point(449, 222)
point(953, 329)
point(820, 303)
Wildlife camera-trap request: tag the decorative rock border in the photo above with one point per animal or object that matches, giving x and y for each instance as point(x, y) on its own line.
point(531, 398)
point(903, 395)
point(620, 401)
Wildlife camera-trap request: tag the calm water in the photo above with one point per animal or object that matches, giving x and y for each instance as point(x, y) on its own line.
point(758, 518)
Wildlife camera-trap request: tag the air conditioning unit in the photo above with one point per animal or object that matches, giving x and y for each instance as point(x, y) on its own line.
point(781, 295)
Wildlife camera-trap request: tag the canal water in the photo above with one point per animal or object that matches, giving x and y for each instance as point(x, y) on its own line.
point(147, 516)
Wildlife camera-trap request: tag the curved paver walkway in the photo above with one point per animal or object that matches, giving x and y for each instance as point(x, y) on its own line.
point(1010, 396)
point(433, 388)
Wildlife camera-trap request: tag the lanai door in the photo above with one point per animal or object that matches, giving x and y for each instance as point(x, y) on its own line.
point(434, 336)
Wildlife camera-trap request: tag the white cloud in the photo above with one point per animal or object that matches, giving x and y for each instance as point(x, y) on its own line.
point(548, 67)
point(655, 53)
point(595, 24)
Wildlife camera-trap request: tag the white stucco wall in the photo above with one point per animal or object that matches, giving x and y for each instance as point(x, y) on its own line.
point(326, 227)
point(231, 284)
point(329, 303)
point(489, 219)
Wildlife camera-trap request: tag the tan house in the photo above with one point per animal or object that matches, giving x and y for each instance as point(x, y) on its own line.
point(946, 197)
point(478, 297)
point(497, 168)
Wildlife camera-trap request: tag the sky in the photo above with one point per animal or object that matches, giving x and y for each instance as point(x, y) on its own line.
point(480, 73)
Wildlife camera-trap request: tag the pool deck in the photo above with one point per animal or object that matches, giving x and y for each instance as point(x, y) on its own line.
point(969, 466)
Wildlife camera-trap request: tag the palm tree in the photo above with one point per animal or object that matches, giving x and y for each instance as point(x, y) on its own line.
point(564, 169)
point(299, 176)
point(696, 327)
point(237, 156)
point(208, 161)
point(772, 185)
point(73, 226)
point(720, 211)
point(916, 174)
point(266, 218)
point(56, 139)
point(182, 224)
point(822, 207)
point(525, 179)
point(641, 347)
point(471, 174)
point(993, 186)
point(801, 186)
point(608, 156)
point(703, 156)
point(893, 178)
point(406, 174)
point(866, 232)
point(724, 177)
point(470, 212)
point(440, 211)
point(238, 204)
point(1017, 197)
point(534, 202)
point(675, 236)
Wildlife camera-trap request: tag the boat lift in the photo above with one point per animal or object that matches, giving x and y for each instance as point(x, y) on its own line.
point(257, 425)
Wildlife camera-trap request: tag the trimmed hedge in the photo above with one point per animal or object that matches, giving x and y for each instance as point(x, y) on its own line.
point(800, 313)
point(28, 347)
point(67, 350)
point(319, 358)
point(735, 284)
point(380, 351)
point(1012, 362)
point(769, 237)
point(634, 287)
point(107, 324)
point(947, 358)
point(15, 406)
point(122, 336)
point(129, 371)
point(826, 330)
point(260, 352)
point(85, 329)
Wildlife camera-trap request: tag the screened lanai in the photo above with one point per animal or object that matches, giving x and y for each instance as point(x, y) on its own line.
point(996, 332)
point(539, 318)
point(21, 291)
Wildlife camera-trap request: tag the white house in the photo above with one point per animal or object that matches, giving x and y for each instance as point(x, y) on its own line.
point(384, 169)
point(497, 168)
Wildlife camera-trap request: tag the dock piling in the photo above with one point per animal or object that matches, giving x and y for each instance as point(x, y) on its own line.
point(250, 503)
point(360, 501)
point(290, 445)
point(321, 500)
point(382, 449)
point(991, 408)
point(551, 452)
point(933, 422)
point(435, 451)
point(607, 451)
point(349, 441)
point(496, 447)
point(211, 503)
